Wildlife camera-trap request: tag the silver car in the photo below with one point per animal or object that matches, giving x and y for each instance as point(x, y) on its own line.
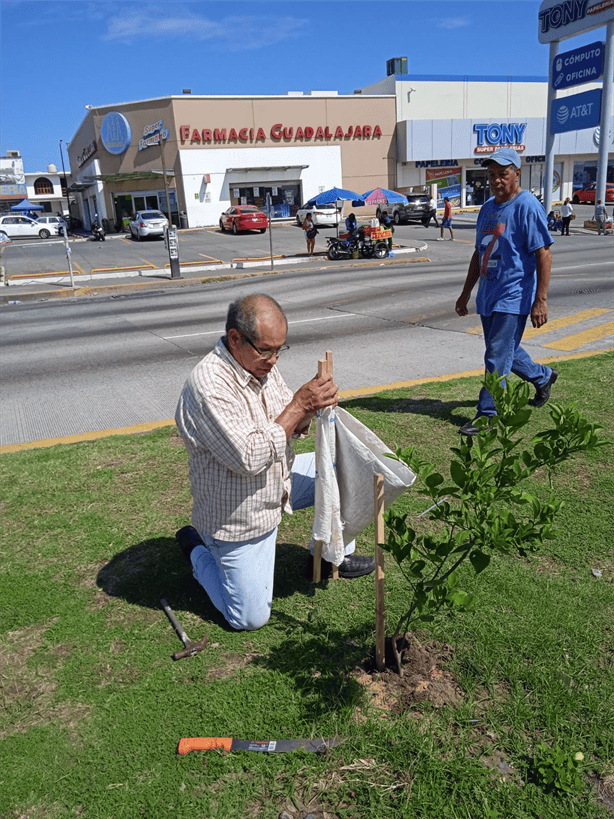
point(148, 223)
point(20, 227)
point(56, 224)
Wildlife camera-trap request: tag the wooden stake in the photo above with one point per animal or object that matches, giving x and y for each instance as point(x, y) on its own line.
point(380, 606)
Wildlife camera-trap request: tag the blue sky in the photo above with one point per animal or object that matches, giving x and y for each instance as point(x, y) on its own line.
point(58, 57)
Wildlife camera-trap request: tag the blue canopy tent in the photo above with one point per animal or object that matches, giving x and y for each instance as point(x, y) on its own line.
point(26, 207)
point(333, 195)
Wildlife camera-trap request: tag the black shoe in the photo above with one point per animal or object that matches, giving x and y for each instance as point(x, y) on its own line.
point(469, 429)
point(352, 566)
point(542, 394)
point(188, 539)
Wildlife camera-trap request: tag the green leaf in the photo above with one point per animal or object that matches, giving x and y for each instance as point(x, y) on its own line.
point(479, 560)
point(458, 474)
point(433, 480)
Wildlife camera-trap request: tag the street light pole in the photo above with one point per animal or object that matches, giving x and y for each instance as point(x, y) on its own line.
point(168, 199)
point(65, 184)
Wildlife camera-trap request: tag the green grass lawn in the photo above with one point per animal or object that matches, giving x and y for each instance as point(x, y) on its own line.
point(94, 706)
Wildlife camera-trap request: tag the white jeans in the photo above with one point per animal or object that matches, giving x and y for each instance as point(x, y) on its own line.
point(238, 576)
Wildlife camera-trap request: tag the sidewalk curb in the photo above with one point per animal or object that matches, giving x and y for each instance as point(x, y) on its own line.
point(345, 395)
point(158, 277)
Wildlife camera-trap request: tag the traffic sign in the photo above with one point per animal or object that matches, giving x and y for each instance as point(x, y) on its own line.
point(578, 66)
point(576, 112)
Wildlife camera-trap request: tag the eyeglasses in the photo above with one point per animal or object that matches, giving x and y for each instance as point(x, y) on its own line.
point(266, 354)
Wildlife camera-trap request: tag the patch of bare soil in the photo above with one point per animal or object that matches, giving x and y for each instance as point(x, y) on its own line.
point(603, 787)
point(28, 691)
point(424, 678)
point(229, 664)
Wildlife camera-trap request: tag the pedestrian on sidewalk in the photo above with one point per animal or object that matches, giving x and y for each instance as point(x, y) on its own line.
point(387, 223)
point(446, 222)
point(432, 213)
point(511, 262)
point(601, 217)
point(567, 215)
point(311, 232)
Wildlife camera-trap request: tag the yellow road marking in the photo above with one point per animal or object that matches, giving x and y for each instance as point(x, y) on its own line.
point(86, 436)
point(145, 265)
point(555, 324)
point(105, 433)
point(580, 339)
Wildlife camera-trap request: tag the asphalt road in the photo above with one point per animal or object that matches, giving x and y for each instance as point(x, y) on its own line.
point(72, 366)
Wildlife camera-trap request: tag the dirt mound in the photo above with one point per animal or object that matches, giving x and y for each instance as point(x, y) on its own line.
point(424, 678)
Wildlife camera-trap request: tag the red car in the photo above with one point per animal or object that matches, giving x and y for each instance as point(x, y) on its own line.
point(587, 193)
point(243, 217)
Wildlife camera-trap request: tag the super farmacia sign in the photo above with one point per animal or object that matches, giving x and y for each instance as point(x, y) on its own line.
point(279, 132)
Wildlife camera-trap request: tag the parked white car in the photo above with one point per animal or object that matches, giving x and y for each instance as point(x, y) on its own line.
point(20, 227)
point(321, 215)
point(54, 223)
point(148, 223)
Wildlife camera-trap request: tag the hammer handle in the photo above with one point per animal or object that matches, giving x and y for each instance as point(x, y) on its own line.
point(167, 610)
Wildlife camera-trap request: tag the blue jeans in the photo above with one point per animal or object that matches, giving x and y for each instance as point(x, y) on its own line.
point(502, 335)
point(238, 576)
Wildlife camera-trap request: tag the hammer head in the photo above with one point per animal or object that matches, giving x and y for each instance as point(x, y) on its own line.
point(191, 649)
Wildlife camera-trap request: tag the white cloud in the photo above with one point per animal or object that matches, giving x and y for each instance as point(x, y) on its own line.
point(236, 33)
point(453, 22)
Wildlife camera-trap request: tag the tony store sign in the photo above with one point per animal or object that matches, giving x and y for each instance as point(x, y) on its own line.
point(490, 135)
point(277, 133)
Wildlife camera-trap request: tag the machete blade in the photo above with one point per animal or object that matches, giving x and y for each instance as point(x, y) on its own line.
point(283, 746)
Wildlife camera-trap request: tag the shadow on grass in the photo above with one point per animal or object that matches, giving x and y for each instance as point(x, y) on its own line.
point(432, 407)
point(156, 568)
point(319, 659)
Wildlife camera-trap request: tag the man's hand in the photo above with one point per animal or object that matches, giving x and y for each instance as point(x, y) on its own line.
point(316, 394)
point(539, 313)
point(473, 274)
point(461, 306)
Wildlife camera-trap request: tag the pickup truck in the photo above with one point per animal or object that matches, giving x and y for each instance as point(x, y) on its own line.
point(417, 210)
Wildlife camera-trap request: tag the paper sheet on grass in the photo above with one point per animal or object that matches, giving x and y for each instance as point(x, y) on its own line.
point(348, 454)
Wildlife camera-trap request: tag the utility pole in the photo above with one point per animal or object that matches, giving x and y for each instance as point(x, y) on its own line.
point(168, 199)
point(65, 184)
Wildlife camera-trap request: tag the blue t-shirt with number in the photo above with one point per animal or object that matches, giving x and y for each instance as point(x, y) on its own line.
point(507, 237)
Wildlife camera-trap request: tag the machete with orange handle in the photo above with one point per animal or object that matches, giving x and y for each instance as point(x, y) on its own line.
point(278, 746)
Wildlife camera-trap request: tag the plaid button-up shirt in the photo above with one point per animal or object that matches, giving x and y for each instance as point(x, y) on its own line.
point(240, 460)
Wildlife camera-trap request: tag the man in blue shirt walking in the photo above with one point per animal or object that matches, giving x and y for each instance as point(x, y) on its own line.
point(511, 262)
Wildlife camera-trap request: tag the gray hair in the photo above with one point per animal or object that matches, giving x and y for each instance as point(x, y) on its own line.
point(243, 314)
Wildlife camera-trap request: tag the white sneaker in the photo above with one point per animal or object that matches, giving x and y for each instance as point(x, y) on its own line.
point(451, 240)
point(440, 239)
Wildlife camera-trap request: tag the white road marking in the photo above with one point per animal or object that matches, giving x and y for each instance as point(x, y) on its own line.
point(301, 321)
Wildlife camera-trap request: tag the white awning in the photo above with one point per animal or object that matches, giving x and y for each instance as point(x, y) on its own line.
point(264, 174)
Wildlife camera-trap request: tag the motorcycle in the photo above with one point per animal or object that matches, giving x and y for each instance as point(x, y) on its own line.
point(359, 243)
point(343, 248)
point(98, 232)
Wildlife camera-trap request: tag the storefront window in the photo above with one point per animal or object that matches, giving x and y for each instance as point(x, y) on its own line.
point(124, 209)
point(285, 199)
point(477, 187)
point(586, 171)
